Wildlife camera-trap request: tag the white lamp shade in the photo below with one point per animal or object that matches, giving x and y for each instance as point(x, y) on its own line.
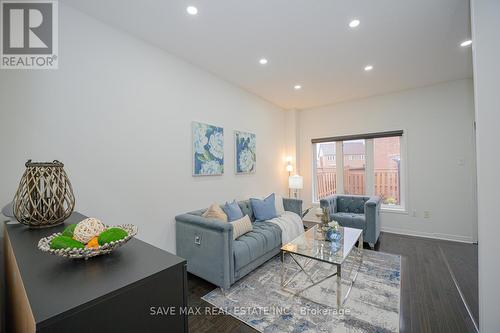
point(289, 168)
point(296, 182)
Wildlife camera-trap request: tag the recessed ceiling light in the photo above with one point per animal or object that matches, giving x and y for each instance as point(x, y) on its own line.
point(192, 10)
point(263, 61)
point(466, 43)
point(297, 87)
point(354, 23)
point(368, 68)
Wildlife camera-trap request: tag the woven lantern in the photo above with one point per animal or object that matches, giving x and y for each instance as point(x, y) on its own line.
point(45, 196)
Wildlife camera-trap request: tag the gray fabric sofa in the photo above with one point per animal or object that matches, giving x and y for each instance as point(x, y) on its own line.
point(213, 255)
point(355, 211)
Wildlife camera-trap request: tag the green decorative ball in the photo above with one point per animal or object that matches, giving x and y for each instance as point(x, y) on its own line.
point(69, 230)
point(64, 242)
point(111, 235)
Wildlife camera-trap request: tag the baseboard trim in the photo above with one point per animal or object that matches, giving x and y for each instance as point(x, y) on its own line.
point(448, 237)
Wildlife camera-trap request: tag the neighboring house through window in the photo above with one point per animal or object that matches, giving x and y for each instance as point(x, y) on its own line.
point(369, 165)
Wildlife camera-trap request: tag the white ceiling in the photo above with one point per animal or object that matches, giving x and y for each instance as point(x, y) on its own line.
point(410, 43)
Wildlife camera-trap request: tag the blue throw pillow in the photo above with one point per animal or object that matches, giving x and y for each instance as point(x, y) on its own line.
point(233, 211)
point(264, 209)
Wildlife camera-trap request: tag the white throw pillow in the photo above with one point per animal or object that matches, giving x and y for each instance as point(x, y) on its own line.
point(241, 226)
point(278, 202)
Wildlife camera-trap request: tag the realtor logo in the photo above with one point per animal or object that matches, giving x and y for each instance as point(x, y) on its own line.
point(29, 34)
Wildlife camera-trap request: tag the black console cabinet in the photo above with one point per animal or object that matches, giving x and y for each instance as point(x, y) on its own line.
point(118, 292)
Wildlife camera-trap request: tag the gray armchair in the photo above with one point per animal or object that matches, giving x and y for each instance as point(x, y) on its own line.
point(355, 211)
point(211, 252)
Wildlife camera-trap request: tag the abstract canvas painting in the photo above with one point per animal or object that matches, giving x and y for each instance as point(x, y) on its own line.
point(245, 144)
point(208, 150)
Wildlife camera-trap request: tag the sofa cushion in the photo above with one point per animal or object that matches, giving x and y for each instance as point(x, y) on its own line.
point(246, 208)
point(263, 238)
point(215, 212)
point(233, 211)
point(264, 209)
point(278, 203)
point(351, 204)
point(241, 226)
point(350, 220)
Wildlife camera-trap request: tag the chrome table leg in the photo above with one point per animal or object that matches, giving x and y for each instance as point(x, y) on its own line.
point(282, 268)
point(339, 286)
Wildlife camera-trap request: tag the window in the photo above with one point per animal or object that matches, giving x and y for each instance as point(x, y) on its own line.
point(326, 169)
point(368, 164)
point(387, 169)
point(354, 167)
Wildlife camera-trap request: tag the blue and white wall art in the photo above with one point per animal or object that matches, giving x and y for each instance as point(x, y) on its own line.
point(208, 150)
point(245, 154)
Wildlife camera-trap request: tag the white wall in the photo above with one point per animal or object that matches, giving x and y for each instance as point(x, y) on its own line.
point(291, 129)
point(118, 113)
point(486, 54)
point(438, 125)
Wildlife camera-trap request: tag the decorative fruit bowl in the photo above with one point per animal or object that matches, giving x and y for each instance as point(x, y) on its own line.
point(55, 243)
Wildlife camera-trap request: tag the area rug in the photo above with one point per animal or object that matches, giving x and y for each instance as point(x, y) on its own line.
point(372, 305)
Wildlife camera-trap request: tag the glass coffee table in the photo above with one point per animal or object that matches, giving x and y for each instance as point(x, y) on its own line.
point(312, 246)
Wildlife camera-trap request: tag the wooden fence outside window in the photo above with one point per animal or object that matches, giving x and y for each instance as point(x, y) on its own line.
point(386, 183)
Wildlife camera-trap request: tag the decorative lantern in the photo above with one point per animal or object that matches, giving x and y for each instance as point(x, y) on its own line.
point(45, 196)
point(325, 219)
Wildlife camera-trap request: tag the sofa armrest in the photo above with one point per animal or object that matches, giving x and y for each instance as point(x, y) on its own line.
point(293, 205)
point(372, 215)
point(207, 245)
point(203, 222)
point(373, 202)
point(330, 202)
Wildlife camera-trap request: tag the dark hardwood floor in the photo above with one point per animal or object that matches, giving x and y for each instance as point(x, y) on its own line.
point(430, 300)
